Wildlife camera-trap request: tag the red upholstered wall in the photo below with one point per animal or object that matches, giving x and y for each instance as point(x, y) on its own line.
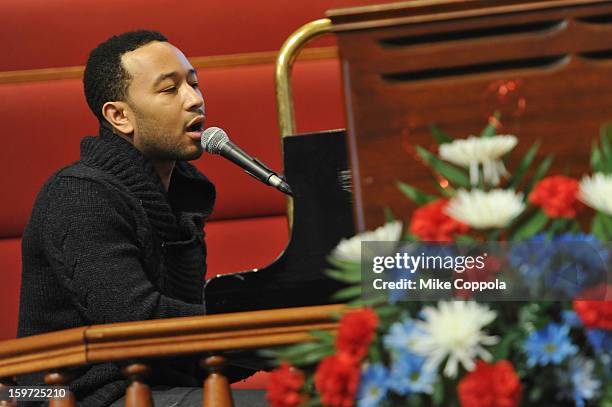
point(45, 34)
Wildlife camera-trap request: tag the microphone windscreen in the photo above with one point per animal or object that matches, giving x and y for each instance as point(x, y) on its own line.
point(213, 139)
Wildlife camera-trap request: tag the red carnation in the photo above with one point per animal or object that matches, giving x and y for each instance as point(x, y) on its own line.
point(431, 223)
point(490, 385)
point(357, 329)
point(337, 379)
point(284, 385)
point(595, 307)
point(558, 196)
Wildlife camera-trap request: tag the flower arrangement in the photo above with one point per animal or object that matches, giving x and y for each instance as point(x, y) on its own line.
point(460, 350)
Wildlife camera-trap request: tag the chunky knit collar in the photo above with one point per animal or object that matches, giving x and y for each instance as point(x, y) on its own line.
point(190, 192)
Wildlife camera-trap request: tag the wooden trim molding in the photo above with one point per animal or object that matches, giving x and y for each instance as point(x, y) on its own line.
point(165, 337)
point(203, 62)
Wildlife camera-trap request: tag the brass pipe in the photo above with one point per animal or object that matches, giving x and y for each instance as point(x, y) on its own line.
point(284, 63)
point(282, 75)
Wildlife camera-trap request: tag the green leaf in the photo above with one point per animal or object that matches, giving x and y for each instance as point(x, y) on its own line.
point(558, 226)
point(601, 227)
point(596, 161)
point(490, 130)
point(387, 311)
point(296, 351)
point(344, 276)
point(324, 336)
point(345, 265)
point(535, 394)
point(523, 166)
point(539, 174)
point(312, 357)
point(415, 195)
point(439, 135)
point(389, 217)
point(531, 226)
point(464, 238)
point(451, 173)
point(502, 349)
point(438, 393)
point(347, 293)
point(447, 192)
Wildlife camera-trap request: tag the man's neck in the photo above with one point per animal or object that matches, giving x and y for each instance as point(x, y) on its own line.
point(164, 170)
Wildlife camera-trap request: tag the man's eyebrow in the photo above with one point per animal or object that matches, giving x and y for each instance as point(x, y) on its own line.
point(172, 74)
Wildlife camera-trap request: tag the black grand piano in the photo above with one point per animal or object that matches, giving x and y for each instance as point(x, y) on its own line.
point(316, 168)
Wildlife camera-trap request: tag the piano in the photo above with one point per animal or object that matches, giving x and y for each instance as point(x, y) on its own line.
point(316, 168)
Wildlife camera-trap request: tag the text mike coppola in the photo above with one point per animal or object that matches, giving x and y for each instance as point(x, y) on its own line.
point(216, 141)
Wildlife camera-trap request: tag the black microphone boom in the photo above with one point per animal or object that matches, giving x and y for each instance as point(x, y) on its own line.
point(216, 141)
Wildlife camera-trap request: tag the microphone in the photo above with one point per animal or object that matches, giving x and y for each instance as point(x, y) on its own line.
point(216, 141)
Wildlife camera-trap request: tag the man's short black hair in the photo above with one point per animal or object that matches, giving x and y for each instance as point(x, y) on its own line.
point(105, 79)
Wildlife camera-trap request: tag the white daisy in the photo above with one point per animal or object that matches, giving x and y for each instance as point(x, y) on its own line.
point(475, 151)
point(350, 249)
point(454, 330)
point(596, 192)
point(483, 210)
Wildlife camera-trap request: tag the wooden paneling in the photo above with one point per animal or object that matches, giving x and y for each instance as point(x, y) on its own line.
point(546, 66)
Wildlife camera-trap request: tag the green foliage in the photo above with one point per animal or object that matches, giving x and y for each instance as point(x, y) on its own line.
point(389, 217)
point(455, 175)
point(533, 225)
point(418, 197)
point(490, 129)
point(523, 166)
point(601, 227)
point(540, 172)
point(439, 135)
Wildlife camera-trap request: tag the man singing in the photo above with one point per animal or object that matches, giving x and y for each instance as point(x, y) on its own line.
point(118, 235)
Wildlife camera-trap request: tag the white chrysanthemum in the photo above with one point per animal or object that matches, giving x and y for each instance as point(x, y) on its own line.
point(483, 210)
point(596, 192)
point(350, 249)
point(454, 330)
point(475, 151)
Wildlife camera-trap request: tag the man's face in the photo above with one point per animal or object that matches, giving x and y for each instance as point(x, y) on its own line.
point(166, 103)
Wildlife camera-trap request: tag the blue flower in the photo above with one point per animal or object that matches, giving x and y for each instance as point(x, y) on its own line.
point(532, 256)
point(549, 345)
point(408, 375)
point(373, 386)
point(601, 341)
point(400, 336)
point(584, 248)
point(578, 383)
point(571, 319)
point(569, 261)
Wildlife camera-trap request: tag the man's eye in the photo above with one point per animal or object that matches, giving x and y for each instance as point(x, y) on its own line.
point(171, 89)
point(195, 85)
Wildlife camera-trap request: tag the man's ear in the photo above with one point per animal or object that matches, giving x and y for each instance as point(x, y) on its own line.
point(118, 114)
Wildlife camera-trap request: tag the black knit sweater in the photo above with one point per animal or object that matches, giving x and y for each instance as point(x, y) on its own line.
point(105, 243)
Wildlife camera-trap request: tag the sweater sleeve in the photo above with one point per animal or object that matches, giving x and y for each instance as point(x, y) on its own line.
point(91, 235)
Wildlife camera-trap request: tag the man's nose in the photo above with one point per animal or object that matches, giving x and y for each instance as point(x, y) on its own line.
point(194, 99)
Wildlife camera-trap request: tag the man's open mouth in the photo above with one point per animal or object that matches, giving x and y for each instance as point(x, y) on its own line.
point(196, 127)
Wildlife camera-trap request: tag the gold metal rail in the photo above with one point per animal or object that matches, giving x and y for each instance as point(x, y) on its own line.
point(282, 75)
point(284, 63)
